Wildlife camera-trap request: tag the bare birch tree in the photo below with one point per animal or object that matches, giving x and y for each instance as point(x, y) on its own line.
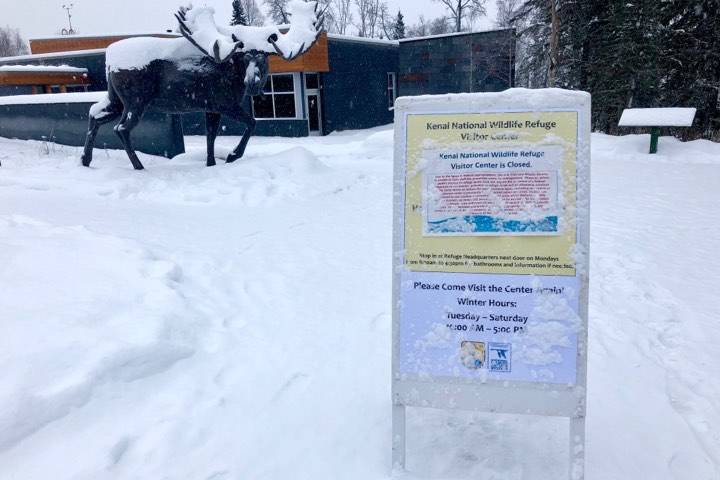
point(342, 16)
point(11, 43)
point(254, 15)
point(460, 10)
point(506, 12)
point(278, 11)
point(368, 14)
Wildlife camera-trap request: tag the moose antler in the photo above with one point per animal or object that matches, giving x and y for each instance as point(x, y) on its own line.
point(205, 17)
point(298, 30)
point(186, 32)
point(306, 22)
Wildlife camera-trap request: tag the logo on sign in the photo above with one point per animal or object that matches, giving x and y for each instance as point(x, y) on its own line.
point(472, 354)
point(500, 357)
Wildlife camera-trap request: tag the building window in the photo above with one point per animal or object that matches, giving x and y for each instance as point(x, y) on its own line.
point(391, 89)
point(279, 99)
point(76, 88)
point(312, 81)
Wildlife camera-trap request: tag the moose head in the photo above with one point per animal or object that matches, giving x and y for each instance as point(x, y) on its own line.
point(254, 44)
point(211, 69)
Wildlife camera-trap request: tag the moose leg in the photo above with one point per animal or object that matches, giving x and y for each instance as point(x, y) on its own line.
point(212, 125)
point(93, 126)
point(248, 120)
point(130, 120)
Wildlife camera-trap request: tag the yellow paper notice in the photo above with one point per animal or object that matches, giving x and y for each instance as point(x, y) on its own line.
point(491, 193)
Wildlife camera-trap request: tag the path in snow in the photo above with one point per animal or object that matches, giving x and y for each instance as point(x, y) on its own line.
point(234, 322)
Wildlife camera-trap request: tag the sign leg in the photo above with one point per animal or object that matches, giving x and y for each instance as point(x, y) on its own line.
point(577, 448)
point(398, 437)
point(654, 136)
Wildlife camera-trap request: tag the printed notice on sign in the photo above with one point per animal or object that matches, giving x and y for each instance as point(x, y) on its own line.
point(503, 327)
point(503, 191)
point(490, 284)
point(491, 193)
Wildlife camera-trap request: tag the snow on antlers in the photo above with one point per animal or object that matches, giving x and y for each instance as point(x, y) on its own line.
point(219, 42)
point(203, 37)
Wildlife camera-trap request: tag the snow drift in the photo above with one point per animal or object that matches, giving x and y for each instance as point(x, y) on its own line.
point(234, 322)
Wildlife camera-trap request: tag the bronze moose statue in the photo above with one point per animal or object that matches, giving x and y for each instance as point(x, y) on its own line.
point(211, 69)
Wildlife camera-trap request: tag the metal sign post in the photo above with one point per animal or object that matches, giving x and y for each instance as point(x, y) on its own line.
point(491, 242)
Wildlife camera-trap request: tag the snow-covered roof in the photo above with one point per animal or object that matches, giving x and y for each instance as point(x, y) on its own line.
point(80, 97)
point(657, 117)
point(455, 34)
point(351, 38)
point(42, 69)
point(42, 56)
point(114, 35)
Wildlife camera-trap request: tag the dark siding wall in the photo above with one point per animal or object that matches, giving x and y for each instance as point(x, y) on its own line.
point(6, 91)
point(95, 64)
point(478, 62)
point(194, 124)
point(66, 123)
point(355, 90)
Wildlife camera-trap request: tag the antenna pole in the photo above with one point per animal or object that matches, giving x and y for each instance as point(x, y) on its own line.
point(68, 8)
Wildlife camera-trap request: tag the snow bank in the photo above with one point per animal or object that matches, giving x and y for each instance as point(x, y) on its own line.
point(234, 322)
point(292, 172)
point(87, 310)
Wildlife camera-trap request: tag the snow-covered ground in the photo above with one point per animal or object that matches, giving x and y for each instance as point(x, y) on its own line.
point(233, 322)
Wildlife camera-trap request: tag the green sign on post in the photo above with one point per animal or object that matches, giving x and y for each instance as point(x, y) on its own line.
point(656, 118)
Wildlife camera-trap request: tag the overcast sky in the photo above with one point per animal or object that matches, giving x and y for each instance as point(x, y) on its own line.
point(41, 18)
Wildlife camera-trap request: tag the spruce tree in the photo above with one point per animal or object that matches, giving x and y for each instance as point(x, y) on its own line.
point(691, 65)
point(398, 27)
point(239, 17)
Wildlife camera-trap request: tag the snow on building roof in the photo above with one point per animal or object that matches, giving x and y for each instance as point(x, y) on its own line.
point(352, 38)
point(41, 69)
point(80, 97)
point(455, 34)
point(101, 35)
point(657, 117)
point(41, 56)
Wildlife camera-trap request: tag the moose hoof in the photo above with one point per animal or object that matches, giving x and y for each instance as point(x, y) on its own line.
point(232, 158)
point(86, 161)
point(210, 163)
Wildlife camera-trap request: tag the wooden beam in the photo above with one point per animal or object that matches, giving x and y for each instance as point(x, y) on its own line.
point(72, 44)
point(314, 60)
point(43, 78)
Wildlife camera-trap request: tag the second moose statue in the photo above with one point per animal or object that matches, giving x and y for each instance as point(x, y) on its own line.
point(213, 69)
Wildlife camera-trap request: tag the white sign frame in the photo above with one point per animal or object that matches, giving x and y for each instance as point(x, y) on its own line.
point(512, 397)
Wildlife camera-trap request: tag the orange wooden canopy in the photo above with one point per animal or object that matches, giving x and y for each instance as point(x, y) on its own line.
point(43, 78)
point(314, 60)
